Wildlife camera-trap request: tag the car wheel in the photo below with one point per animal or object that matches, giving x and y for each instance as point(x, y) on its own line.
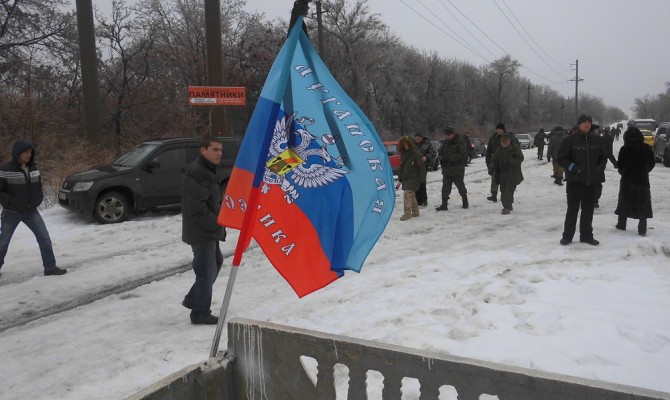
point(111, 208)
point(666, 157)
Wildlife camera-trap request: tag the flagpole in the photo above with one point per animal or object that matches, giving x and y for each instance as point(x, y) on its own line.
point(300, 7)
point(224, 310)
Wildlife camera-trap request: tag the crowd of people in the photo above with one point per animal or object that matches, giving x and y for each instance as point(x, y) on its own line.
point(578, 157)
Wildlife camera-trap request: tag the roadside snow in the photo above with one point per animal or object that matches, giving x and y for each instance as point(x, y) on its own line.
point(471, 283)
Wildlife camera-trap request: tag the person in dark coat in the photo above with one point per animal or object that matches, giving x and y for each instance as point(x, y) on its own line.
point(453, 155)
point(428, 152)
point(608, 143)
point(200, 204)
point(470, 148)
point(491, 147)
point(539, 142)
point(583, 156)
point(20, 195)
point(506, 169)
point(636, 160)
point(557, 136)
point(412, 171)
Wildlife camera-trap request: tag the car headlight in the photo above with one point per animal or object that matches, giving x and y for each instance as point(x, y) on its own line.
point(82, 186)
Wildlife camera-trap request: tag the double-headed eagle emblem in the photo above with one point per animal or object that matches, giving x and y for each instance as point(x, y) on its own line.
point(298, 161)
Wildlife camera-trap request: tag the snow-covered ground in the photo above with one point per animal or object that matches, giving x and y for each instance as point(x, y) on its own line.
point(472, 283)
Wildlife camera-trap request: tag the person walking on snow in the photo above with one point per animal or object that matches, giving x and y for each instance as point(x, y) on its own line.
point(505, 168)
point(539, 142)
point(20, 195)
point(410, 176)
point(453, 155)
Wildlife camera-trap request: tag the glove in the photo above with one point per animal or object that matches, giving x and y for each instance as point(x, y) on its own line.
point(220, 234)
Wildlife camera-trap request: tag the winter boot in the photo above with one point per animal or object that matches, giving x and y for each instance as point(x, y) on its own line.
point(506, 211)
point(493, 197)
point(414, 206)
point(642, 227)
point(442, 207)
point(465, 201)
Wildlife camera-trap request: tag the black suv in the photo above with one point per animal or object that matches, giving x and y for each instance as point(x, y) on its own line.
point(662, 144)
point(147, 176)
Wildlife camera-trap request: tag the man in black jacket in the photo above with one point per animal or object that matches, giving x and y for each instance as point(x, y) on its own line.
point(582, 154)
point(200, 203)
point(453, 155)
point(20, 195)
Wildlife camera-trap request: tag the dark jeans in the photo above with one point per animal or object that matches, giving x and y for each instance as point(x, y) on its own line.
point(422, 195)
point(207, 261)
point(597, 193)
point(33, 220)
point(579, 196)
point(448, 181)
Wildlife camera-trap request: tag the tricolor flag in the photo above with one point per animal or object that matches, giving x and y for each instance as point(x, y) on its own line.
point(312, 183)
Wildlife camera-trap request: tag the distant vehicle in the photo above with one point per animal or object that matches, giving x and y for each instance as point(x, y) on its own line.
point(145, 177)
point(479, 148)
point(525, 140)
point(647, 126)
point(394, 155)
point(662, 144)
point(435, 165)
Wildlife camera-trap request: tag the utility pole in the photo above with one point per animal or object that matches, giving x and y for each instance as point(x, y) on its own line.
point(217, 115)
point(577, 80)
point(89, 70)
point(319, 21)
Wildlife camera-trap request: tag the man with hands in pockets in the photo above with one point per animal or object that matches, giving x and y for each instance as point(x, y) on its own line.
point(583, 156)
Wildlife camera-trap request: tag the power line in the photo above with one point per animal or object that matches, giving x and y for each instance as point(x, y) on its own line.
point(522, 37)
point(445, 32)
point(531, 37)
point(466, 29)
point(481, 31)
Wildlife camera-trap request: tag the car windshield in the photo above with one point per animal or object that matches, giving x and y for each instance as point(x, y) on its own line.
point(135, 155)
point(524, 136)
point(646, 125)
point(392, 149)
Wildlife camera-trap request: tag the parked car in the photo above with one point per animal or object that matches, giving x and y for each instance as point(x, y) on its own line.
point(394, 155)
point(147, 176)
point(662, 144)
point(479, 147)
point(525, 140)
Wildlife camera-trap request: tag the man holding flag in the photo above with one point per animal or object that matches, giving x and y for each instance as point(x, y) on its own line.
point(200, 205)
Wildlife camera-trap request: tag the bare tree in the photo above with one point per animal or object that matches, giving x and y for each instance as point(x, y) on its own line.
point(500, 74)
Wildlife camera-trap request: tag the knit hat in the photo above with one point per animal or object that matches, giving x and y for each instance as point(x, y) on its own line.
point(584, 118)
point(500, 126)
point(448, 130)
point(505, 136)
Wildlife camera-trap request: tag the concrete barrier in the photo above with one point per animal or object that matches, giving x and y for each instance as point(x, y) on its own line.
point(275, 362)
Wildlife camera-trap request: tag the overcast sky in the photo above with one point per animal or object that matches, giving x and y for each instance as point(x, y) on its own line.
point(621, 45)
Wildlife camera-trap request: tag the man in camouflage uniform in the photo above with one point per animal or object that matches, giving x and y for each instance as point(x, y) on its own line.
point(453, 154)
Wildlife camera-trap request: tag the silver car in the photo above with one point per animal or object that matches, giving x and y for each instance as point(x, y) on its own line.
point(525, 140)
